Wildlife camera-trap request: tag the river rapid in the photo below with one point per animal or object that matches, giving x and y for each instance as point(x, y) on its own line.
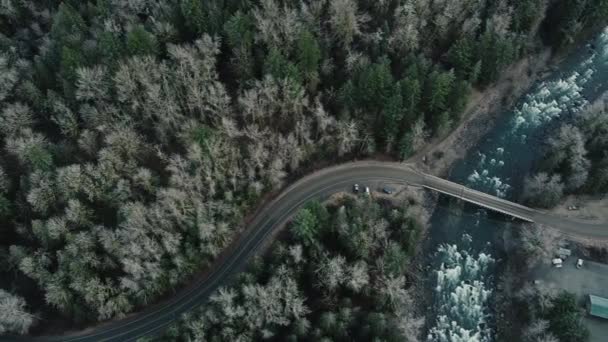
point(463, 267)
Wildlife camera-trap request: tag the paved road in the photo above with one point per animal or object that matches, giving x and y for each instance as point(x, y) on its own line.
point(318, 185)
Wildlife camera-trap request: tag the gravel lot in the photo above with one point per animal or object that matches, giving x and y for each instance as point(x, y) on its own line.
point(592, 278)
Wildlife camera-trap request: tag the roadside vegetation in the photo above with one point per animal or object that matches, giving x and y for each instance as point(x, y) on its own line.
point(340, 273)
point(551, 316)
point(136, 134)
point(575, 160)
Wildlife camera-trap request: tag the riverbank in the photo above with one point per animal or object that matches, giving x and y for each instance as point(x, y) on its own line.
point(482, 112)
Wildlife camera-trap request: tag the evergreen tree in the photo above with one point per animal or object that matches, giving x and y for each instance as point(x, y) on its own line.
point(305, 227)
point(141, 42)
point(438, 88)
point(194, 15)
point(411, 95)
point(462, 57)
point(392, 115)
point(308, 57)
point(279, 67)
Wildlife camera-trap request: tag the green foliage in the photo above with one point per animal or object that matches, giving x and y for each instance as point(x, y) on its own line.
point(71, 60)
point(393, 114)
point(279, 67)
point(527, 12)
point(202, 135)
point(411, 94)
point(565, 319)
point(305, 227)
point(110, 47)
point(458, 98)
point(564, 21)
point(206, 16)
point(39, 158)
point(438, 88)
point(67, 23)
point(141, 42)
point(405, 146)
point(6, 208)
point(396, 259)
point(308, 57)
point(194, 14)
point(370, 88)
point(462, 56)
point(239, 30)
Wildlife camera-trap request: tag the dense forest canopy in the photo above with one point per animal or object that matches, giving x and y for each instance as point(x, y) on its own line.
point(135, 134)
point(339, 274)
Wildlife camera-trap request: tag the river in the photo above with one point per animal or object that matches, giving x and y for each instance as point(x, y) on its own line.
point(464, 264)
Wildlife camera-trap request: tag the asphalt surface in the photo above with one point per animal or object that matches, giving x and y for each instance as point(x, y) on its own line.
point(319, 185)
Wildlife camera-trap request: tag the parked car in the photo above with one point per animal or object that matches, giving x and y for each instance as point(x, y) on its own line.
point(557, 262)
point(579, 263)
point(388, 190)
point(356, 188)
point(367, 190)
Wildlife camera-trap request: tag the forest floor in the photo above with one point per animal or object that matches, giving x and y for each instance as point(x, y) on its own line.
point(482, 111)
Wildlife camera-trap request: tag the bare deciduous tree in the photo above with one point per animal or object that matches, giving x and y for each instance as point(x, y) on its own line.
point(13, 316)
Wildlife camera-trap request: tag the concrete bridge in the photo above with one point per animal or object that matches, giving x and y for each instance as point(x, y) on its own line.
point(571, 227)
point(477, 197)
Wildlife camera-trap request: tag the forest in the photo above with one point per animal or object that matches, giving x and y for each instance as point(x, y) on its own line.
point(135, 134)
point(341, 273)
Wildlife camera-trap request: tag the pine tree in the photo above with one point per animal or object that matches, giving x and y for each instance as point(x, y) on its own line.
point(141, 42)
point(194, 15)
point(305, 227)
point(392, 114)
point(308, 57)
point(411, 95)
point(439, 86)
point(462, 57)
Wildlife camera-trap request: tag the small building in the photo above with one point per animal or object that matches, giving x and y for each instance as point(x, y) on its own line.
point(597, 306)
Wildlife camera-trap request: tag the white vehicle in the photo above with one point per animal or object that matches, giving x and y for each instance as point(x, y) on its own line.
point(367, 190)
point(579, 263)
point(356, 188)
point(557, 262)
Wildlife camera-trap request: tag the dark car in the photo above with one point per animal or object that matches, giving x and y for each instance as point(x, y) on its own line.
point(388, 190)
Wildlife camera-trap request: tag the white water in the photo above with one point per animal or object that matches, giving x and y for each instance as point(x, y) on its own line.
point(462, 293)
point(463, 284)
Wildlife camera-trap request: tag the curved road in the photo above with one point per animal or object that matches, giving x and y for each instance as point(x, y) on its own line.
point(318, 185)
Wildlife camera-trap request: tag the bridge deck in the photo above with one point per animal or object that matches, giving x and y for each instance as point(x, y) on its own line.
point(477, 197)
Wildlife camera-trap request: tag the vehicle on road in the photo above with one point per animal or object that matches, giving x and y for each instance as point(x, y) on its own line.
point(579, 263)
point(367, 190)
point(356, 188)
